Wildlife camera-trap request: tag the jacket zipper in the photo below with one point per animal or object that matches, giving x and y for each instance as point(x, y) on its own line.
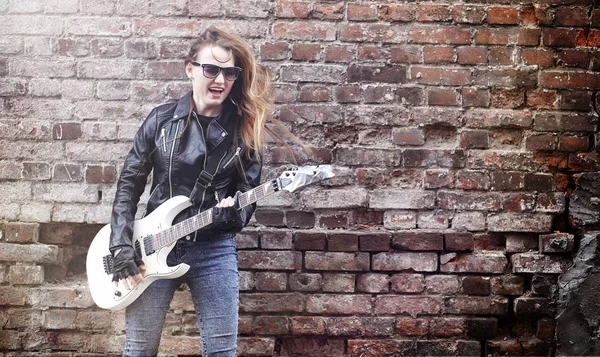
point(171, 161)
point(237, 153)
point(164, 140)
point(206, 155)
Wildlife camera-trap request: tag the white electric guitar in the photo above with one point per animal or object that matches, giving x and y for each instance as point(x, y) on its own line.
point(154, 237)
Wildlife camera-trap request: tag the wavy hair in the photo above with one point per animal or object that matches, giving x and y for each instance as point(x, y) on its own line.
point(252, 91)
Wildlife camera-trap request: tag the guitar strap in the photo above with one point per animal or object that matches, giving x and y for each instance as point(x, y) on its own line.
point(204, 184)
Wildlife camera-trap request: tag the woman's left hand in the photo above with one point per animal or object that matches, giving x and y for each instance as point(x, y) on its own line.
point(226, 217)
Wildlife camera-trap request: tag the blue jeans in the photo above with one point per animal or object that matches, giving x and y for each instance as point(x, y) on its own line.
point(214, 284)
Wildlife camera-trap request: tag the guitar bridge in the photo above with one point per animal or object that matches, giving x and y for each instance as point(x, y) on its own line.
point(107, 261)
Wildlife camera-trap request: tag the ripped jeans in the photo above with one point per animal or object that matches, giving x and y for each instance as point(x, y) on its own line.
point(214, 284)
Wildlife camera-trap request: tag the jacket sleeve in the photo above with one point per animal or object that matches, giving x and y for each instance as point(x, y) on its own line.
point(249, 171)
point(132, 182)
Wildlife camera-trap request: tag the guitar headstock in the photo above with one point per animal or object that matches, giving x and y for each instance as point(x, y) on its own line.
point(299, 177)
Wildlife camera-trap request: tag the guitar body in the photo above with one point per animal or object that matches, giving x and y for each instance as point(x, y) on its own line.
point(103, 290)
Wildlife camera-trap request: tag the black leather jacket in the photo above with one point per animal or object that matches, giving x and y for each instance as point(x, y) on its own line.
point(176, 154)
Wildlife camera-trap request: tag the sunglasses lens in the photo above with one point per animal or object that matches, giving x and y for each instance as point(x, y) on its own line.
point(211, 71)
point(231, 74)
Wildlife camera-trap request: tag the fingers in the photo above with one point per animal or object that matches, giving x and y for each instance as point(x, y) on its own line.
point(132, 281)
point(226, 202)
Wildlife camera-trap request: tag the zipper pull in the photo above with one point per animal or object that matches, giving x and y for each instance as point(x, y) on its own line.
point(217, 197)
point(237, 153)
point(164, 140)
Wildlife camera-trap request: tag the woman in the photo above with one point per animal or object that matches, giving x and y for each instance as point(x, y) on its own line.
point(221, 121)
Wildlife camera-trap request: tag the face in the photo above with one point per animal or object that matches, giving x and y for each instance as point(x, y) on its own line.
point(210, 93)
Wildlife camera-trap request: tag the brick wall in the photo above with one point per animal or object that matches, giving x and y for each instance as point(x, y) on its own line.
point(454, 126)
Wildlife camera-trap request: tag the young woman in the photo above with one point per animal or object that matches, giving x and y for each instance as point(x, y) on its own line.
point(221, 120)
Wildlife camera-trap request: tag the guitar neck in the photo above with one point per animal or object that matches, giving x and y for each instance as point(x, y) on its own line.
point(204, 218)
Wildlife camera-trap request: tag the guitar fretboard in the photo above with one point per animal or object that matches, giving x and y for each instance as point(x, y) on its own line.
point(204, 218)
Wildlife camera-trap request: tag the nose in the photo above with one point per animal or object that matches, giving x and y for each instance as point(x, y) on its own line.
point(220, 78)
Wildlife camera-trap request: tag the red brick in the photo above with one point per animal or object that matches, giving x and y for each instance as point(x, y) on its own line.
point(476, 285)
point(500, 56)
point(408, 304)
point(508, 285)
point(528, 15)
point(406, 54)
point(373, 283)
point(306, 52)
point(373, 242)
point(575, 100)
point(303, 31)
point(447, 326)
point(332, 221)
point(440, 76)
point(442, 284)
point(309, 240)
point(459, 241)
point(338, 304)
point(275, 239)
point(275, 51)
point(556, 243)
point(468, 14)
point(439, 34)
point(66, 131)
point(508, 98)
point(489, 241)
point(292, 9)
point(270, 281)
point(338, 283)
point(407, 283)
point(417, 241)
point(317, 346)
point(476, 305)
point(471, 55)
point(397, 12)
point(362, 12)
point(339, 53)
point(393, 74)
point(305, 282)
point(476, 263)
point(573, 58)
point(26, 275)
point(275, 260)
point(410, 326)
point(573, 143)
point(272, 218)
point(307, 325)
point(474, 139)
point(300, 219)
point(372, 53)
point(571, 16)
point(510, 347)
point(472, 180)
point(502, 16)
point(420, 262)
point(337, 261)
point(538, 263)
point(333, 12)
point(20, 232)
point(371, 33)
point(561, 37)
point(544, 99)
point(270, 325)
point(271, 302)
point(438, 178)
point(317, 93)
point(433, 13)
point(539, 57)
point(342, 242)
point(444, 97)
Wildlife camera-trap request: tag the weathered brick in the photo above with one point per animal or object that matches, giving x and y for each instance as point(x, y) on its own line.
point(539, 263)
point(522, 222)
point(417, 241)
point(338, 283)
point(305, 282)
point(374, 242)
point(309, 240)
point(246, 280)
point(247, 239)
point(401, 199)
point(407, 283)
point(412, 305)
point(275, 239)
point(421, 262)
point(410, 326)
point(487, 262)
point(60, 296)
point(373, 283)
point(270, 325)
point(307, 325)
point(476, 285)
point(271, 302)
point(270, 281)
point(476, 305)
point(338, 304)
point(59, 319)
point(30, 253)
point(271, 260)
point(11, 340)
point(337, 261)
point(26, 275)
point(533, 306)
point(303, 31)
point(508, 285)
point(313, 346)
point(345, 198)
point(470, 221)
point(21, 232)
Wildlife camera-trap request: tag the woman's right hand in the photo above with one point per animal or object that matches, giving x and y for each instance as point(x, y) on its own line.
point(127, 268)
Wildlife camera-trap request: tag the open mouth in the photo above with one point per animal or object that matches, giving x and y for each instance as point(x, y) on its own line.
point(215, 90)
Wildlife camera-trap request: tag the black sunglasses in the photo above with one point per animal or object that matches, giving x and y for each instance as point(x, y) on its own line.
point(212, 71)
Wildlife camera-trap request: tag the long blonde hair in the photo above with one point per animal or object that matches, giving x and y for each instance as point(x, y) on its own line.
point(252, 91)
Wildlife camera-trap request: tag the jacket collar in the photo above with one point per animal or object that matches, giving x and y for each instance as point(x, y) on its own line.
point(220, 128)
